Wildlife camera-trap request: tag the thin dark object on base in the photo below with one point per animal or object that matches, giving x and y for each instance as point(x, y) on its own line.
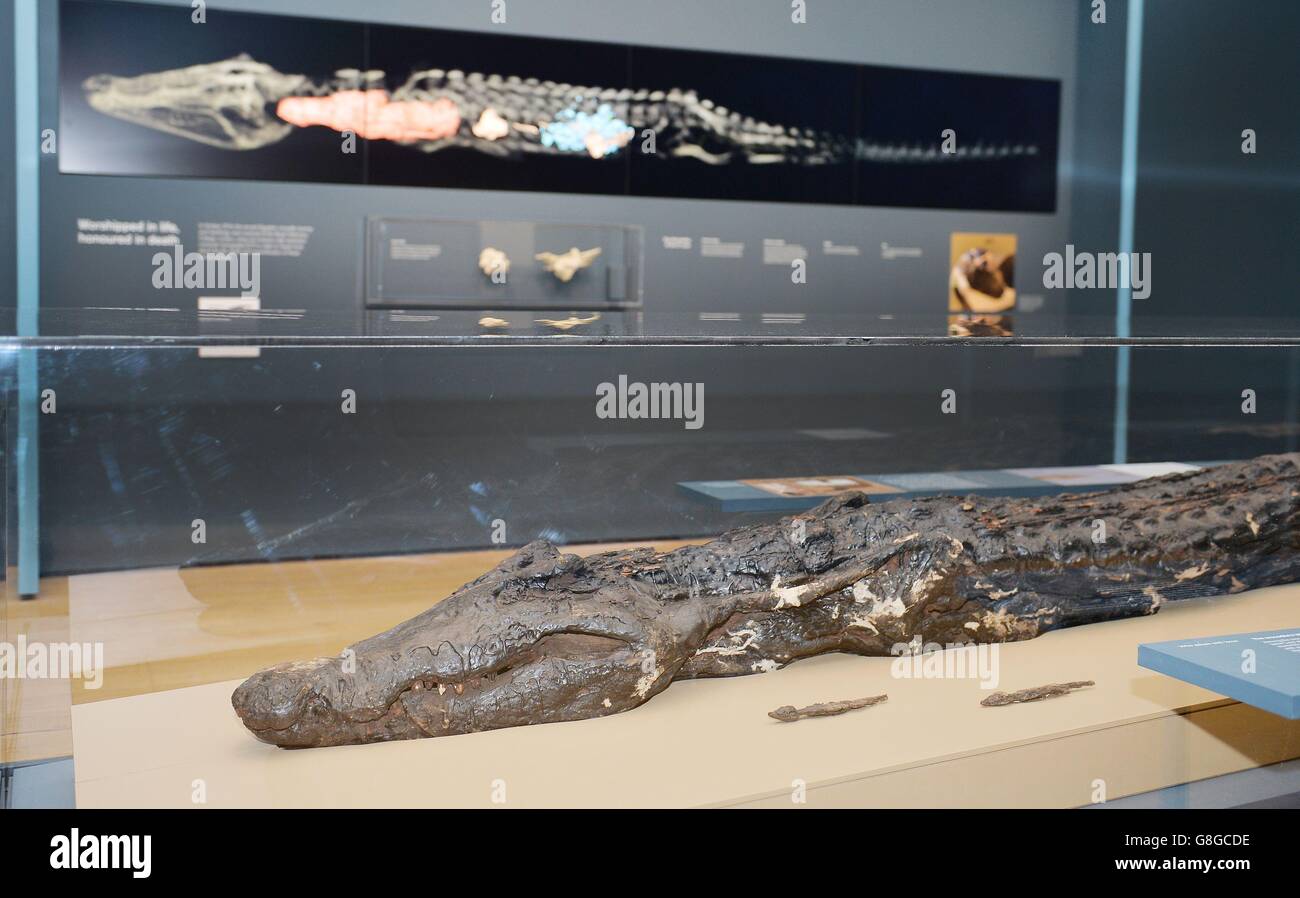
point(1038, 693)
point(789, 713)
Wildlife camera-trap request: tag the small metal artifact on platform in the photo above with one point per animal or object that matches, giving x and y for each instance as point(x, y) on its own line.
point(789, 713)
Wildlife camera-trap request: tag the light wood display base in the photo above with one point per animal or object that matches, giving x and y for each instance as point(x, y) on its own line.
point(711, 743)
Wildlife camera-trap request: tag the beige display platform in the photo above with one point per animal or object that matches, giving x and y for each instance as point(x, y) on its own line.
point(710, 742)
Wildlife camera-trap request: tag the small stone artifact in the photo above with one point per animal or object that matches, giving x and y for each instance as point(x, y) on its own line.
point(564, 324)
point(546, 636)
point(565, 265)
point(492, 261)
point(789, 713)
point(1038, 693)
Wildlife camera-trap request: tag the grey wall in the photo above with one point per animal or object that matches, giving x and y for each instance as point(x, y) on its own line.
point(1219, 224)
point(1222, 227)
point(1014, 37)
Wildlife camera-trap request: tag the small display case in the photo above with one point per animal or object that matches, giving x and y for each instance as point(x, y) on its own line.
point(430, 263)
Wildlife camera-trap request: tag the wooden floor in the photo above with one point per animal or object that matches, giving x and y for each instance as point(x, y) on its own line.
point(35, 715)
point(165, 628)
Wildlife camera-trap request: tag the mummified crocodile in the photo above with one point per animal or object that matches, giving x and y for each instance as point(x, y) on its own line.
point(548, 637)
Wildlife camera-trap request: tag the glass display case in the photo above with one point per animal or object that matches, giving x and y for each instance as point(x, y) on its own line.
point(199, 497)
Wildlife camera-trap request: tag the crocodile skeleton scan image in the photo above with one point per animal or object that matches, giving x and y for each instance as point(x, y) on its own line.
point(281, 98)
point(546, 637)
point(242, 104)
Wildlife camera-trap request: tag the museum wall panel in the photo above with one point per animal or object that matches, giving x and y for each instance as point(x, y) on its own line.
point(854, 271)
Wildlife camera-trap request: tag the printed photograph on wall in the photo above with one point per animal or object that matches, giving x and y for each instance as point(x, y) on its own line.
point(264, 97)
point(983, 275)
point(981, 284)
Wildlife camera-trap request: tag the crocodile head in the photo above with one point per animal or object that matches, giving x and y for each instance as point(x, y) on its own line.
point(543, 637)
point(226, 104)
